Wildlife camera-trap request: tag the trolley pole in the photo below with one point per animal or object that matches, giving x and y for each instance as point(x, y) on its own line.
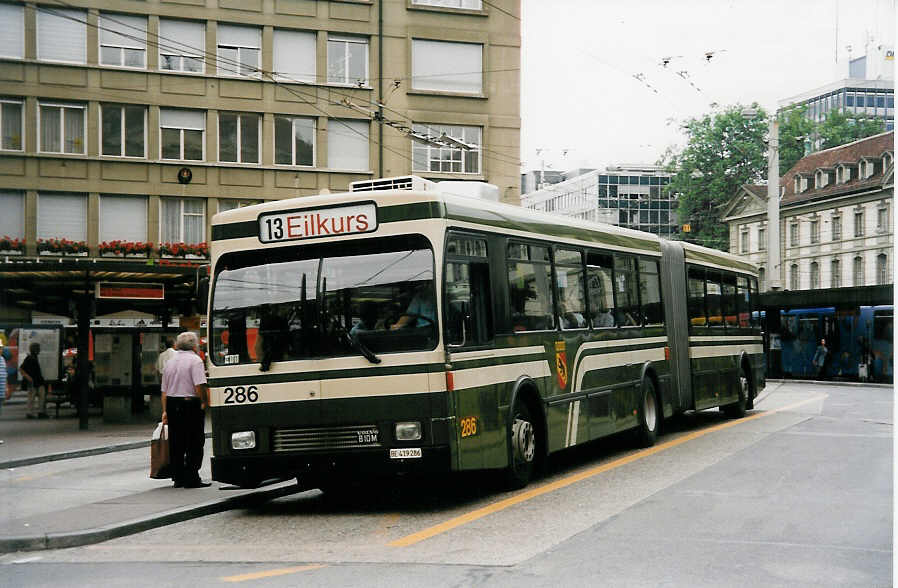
point(773, 206)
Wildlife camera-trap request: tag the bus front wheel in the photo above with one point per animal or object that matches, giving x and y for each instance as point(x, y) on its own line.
point(522, 446)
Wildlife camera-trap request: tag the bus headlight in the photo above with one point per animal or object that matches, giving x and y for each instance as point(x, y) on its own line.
point(410, 431)
point(243, 440)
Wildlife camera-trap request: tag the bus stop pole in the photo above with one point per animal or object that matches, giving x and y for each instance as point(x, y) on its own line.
point(84, 305)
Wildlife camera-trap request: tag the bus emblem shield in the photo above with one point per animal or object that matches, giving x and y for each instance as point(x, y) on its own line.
point(561, 368)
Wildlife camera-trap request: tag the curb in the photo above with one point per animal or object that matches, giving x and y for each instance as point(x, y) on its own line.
point(112, 531)
point(832, 383)
point(27, 461)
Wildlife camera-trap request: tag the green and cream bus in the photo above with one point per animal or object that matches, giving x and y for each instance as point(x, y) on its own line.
point(402, 328)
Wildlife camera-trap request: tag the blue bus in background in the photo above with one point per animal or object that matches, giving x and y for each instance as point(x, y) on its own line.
point(860, 342)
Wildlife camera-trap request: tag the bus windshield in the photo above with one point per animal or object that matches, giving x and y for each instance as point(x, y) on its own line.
point(325, 300)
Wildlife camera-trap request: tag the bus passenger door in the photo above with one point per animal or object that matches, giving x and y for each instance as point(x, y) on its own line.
point(673, 284)
point(468, 335)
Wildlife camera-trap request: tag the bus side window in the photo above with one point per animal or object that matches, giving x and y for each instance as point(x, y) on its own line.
point(571, 297)
point(650, 292)
point(626, 291)
point(743, 307)
point(696, 302)
point(601, 289)
point(530, 293)
point(468, 303)
point(712, 298)
point(728, 300)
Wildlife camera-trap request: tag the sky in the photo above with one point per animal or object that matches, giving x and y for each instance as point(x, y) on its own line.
point(583, 106)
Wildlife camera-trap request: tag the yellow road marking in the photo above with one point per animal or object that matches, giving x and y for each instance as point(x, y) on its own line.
point(271, 573)
point(574, 478)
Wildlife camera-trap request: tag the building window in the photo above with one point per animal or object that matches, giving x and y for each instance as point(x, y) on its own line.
point(239, 50)
point(294, 140)
point(294, 56)
point(12, 31)
point(882, 269)
point(743, 244)
point(183, 134)
point(225, 204)
point(123, 218)
point(858, 271)
point(12, 214)
point(762, 239)
point(347, 60)
point(447, 66)
point(837, 228)
point(238, 137)
point(815, 275)
point(61, 35)
point(347, 145)
point(462, 4)
point(182, 49)
point(123, 40)
point(793, 234)
point(815, 231)
point(183, 220)
point(840, 175)
point(447, 159)
point(762, 278)
point(859, 223)
point(11, 124)
point(882, 220)
point(62, 215)
point(61, 128)
point(123, 130)
point(793, 277)
point(835, 274)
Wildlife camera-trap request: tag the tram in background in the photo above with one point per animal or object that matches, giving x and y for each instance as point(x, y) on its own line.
point(860, 342)
point(404, 328)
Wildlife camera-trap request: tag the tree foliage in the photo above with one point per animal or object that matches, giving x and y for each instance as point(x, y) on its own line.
point(724, 150)
point(796, 133)
point(839, 128)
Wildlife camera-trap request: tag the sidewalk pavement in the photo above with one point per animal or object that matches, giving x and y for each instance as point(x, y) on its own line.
point(63, 487)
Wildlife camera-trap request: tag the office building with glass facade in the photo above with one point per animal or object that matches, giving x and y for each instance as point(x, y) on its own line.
point(631, 196)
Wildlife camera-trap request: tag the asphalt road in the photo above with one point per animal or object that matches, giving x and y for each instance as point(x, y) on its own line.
point(799, 493)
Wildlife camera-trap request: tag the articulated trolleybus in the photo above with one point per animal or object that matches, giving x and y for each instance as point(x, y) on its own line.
point(400, 328)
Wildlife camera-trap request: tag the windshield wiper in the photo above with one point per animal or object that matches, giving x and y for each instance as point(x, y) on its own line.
point(356, 343)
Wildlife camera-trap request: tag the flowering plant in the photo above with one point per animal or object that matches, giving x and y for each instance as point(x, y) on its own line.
point(184, 249)
point(9, 244)
point(126, 247)
point(61, 246)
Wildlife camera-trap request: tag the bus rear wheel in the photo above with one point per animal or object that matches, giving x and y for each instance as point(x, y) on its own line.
point(737, 409)
point(649, 415)
point(523, 447)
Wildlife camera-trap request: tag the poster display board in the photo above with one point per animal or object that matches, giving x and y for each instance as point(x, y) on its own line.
point(49, 337)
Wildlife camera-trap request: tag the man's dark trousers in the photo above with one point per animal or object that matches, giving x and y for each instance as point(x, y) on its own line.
point(186, 437)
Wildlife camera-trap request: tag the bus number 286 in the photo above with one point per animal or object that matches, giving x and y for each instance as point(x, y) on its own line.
point(241, 394)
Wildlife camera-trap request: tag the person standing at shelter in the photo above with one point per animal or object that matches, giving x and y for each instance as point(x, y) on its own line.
point(33, 378)
point(185, 395)
point(166, 354)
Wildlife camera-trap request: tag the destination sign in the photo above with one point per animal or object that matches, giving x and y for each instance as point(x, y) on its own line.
point(318, 222)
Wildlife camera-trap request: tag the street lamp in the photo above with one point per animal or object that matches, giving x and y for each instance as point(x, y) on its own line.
point(773, 200)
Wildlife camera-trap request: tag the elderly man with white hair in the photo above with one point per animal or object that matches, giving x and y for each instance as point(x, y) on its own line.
point(185, 395)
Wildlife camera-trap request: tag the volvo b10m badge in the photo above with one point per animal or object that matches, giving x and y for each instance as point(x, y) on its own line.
point(310, 223)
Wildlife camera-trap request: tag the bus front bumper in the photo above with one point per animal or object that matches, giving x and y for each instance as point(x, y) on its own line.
point(251, 470)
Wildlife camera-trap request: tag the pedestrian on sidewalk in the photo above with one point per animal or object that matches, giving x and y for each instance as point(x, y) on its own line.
point(185, 395)
point(819, 360)
point(33, 379)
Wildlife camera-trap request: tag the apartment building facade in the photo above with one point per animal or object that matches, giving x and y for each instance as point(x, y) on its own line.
point(135, 122)
point(836, 225)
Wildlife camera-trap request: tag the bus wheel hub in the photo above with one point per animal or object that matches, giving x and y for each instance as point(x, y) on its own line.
point(523, 440)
